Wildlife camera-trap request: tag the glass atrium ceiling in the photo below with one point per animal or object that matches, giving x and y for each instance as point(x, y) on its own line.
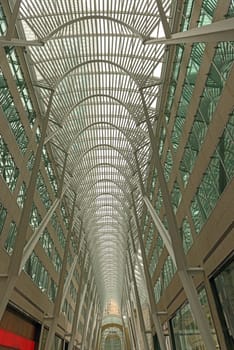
point(92, 55)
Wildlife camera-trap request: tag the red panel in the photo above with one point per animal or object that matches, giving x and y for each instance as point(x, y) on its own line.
point(15, 341)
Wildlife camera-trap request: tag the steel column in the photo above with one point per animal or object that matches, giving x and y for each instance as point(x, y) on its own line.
point(138, 302)
point(70, 274)
point(77, 308)
point(68, 280)
point(13, 19)
point(130, 306)
point(132, 339)
point(97, 331)
point(179, 255)
point(157, 323)
point(91, 300)
point(158, 223)
point(163, 18)
point(33, 240)
point(59, 296)
point(94, 323)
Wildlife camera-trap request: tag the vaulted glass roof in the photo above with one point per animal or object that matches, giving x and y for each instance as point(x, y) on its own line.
point(92, 55)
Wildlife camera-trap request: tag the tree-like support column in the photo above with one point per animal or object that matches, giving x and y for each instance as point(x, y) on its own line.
point(59, 296)
point(139, 309)
point(7, 284)
point(178, 254)
point(153, 308)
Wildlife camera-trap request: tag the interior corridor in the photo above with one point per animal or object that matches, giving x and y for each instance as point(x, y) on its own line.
point(116, 174)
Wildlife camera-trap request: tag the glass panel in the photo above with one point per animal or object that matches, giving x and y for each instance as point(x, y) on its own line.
point(217, 176)
point(149, 238)
point(188, 6)
point(168, 165)
point(158, 290)
point(159, 201)
point(112, 342)
point(36, 270)
point(52, 291)
point(30, 161)
point(185, 331)
point(21, 195)
point(220, 67)
point(224, 292)
point(12, 116)
point(8, 169)
point(207, 12)
point(3, 24)
point(50, 171)
point(3, 215)
point(35, 218)
point(186, 235)
point(176, 196)
point(168, 272)
point(43, 191)
point(61, 236)
point(57, 261)
point(47, 243)
point(10, 241)
point(21, 85)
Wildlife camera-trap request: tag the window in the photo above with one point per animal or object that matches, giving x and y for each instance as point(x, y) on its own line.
point(3, 214)
point(223, 288)
point(10, 241)
point(186, 234)
point(8, 169)
point(21, 195)
point(185, 332)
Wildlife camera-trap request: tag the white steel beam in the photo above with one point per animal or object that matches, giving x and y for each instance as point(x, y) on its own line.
point(32, 242)
point(132, 314)
point(19, 42)
point(77, 308)
point(156, 321)
point(138, 303)
point(160, 227)
point(95, 320)
point(163, 18)
point(218, 31)
point(68, 281)
point(87, 320)
point(59, 296)
point(13, 19)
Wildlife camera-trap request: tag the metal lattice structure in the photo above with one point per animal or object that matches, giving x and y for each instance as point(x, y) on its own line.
point(94, 58)
point(106, 108)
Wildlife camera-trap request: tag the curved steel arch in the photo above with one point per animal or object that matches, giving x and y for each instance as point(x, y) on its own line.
point(97, 237)
point(107, 205)
point(96, 229)
point(106, 164)
point(98, 95)
point(124, 70)
point(85, 18)
point(110, 194)
point(96, 61)
point(106, 253)
point(115, 226)
point(98, 123)
point(116, 243)
point(83, 184)
point(98, 218)
point(109, 181)
point(108, 146)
